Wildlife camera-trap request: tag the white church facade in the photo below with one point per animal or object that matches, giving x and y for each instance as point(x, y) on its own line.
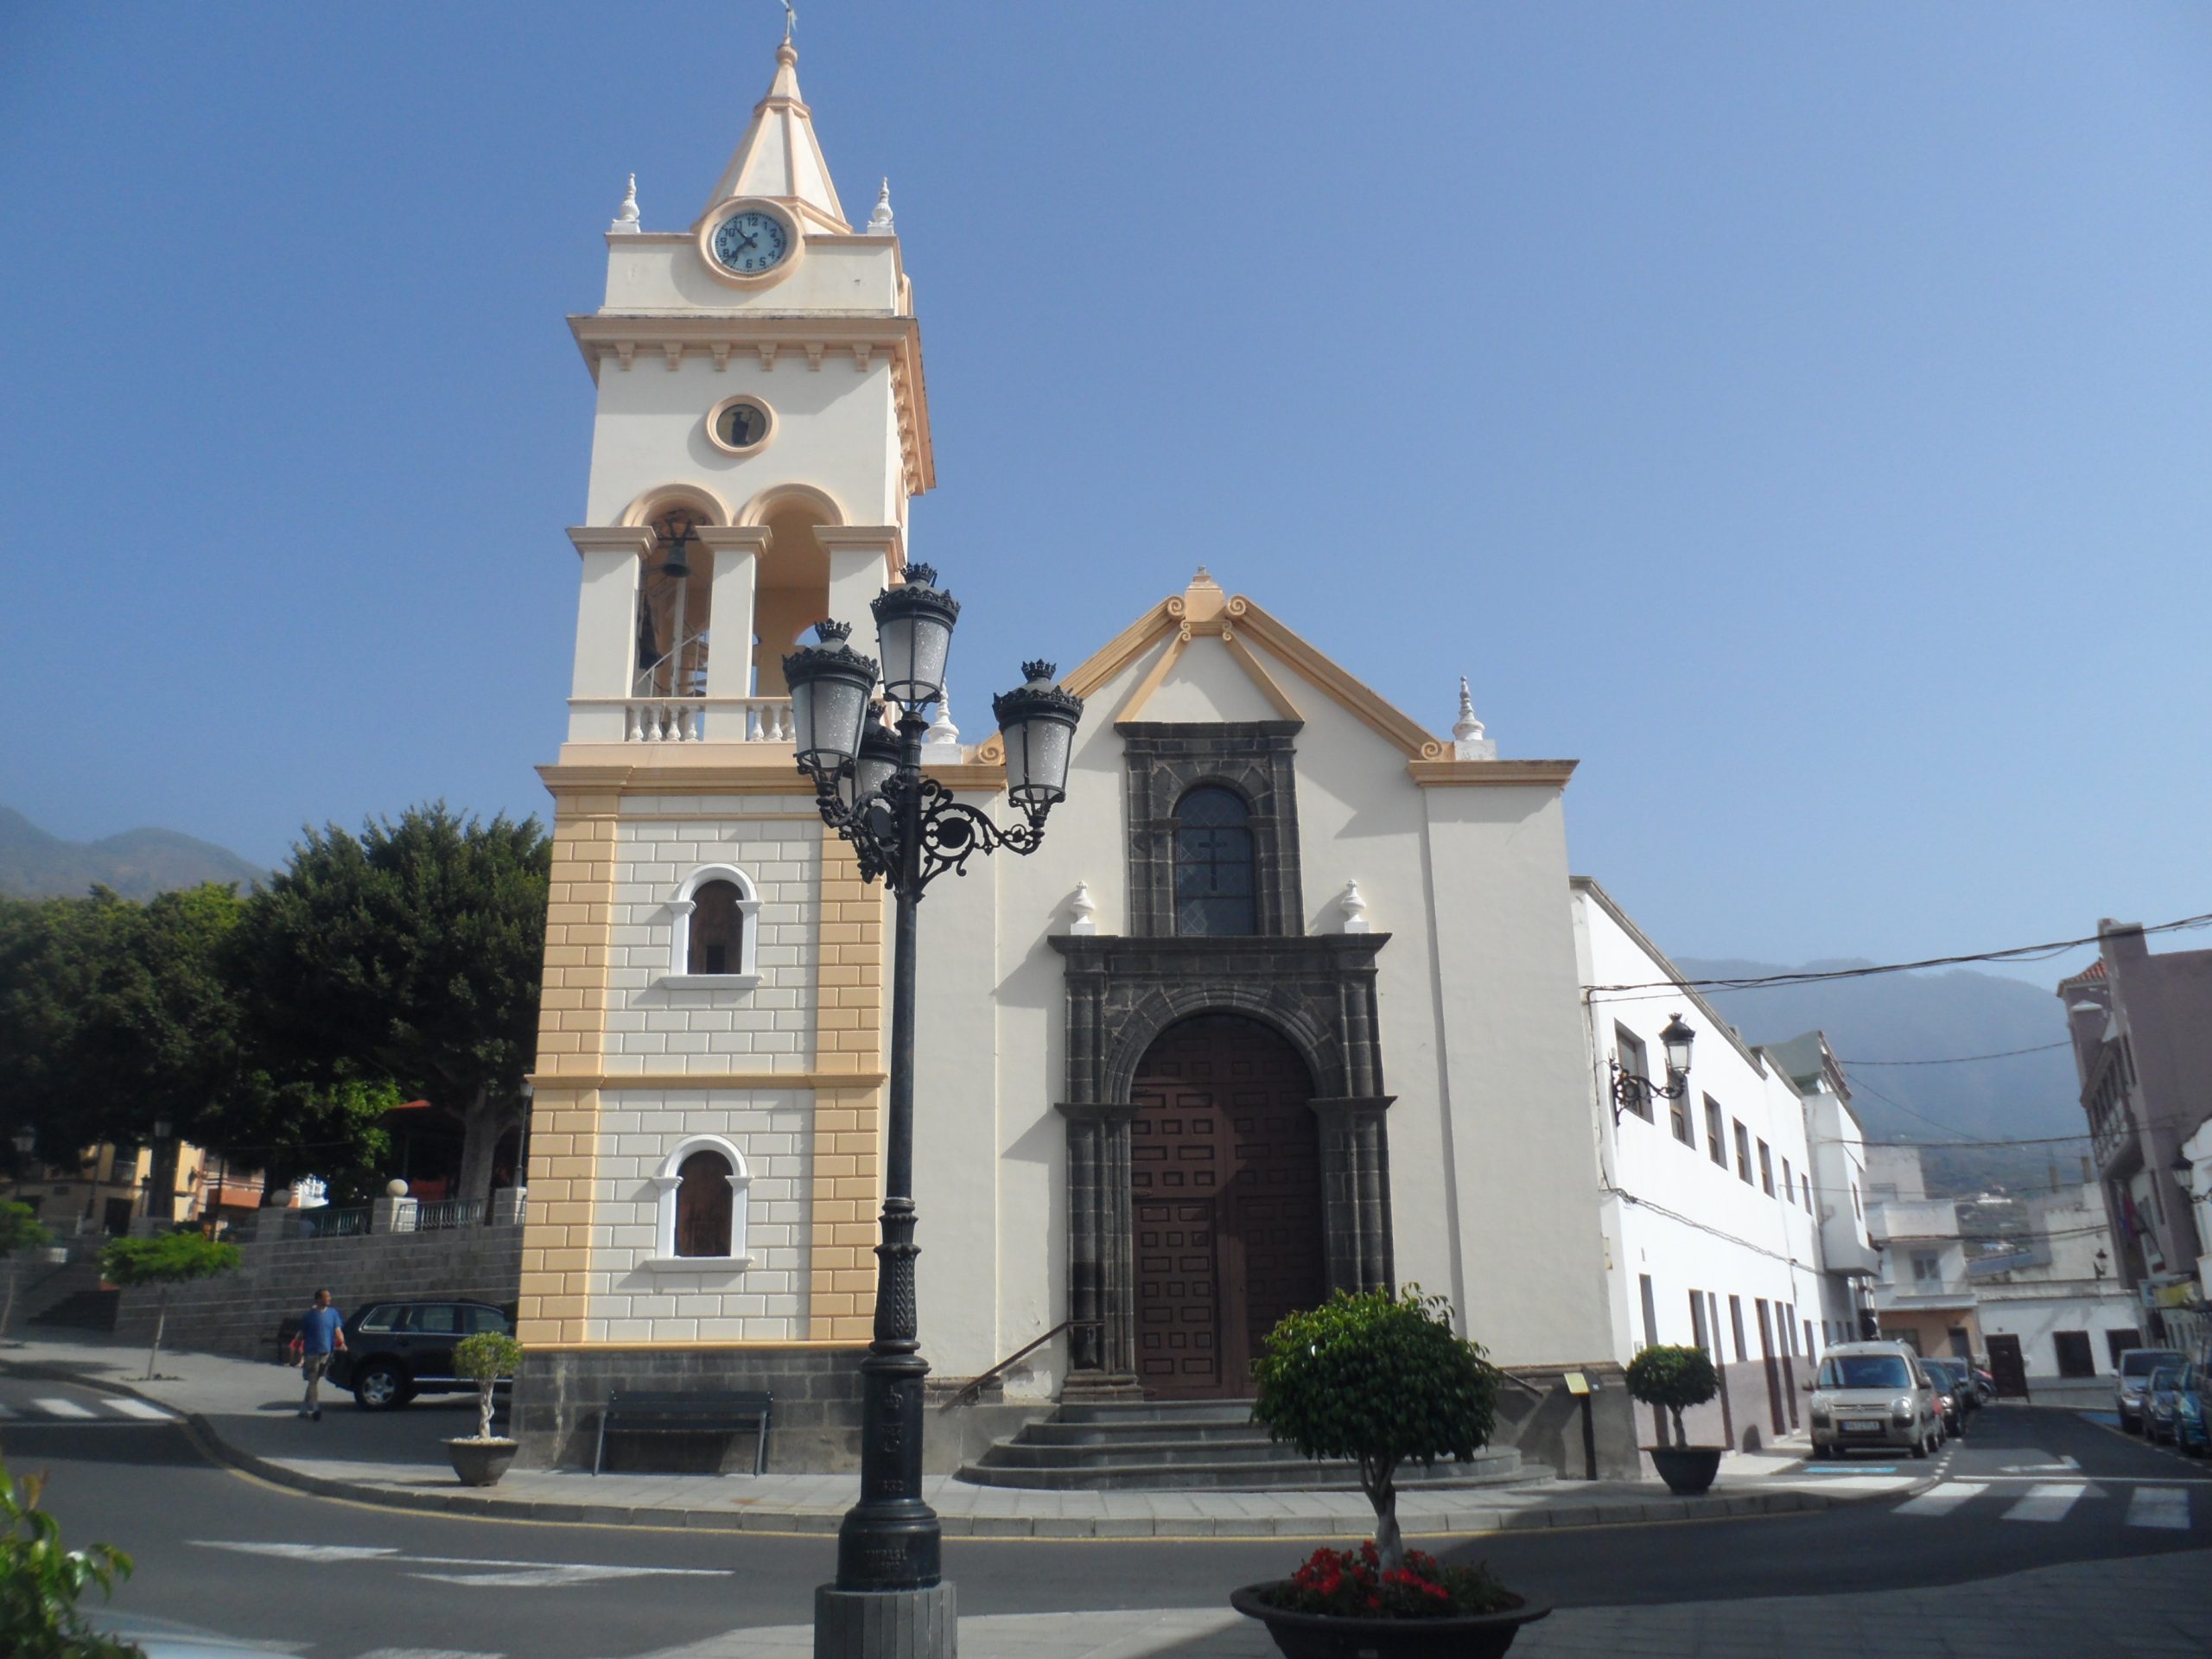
point(1289, 999)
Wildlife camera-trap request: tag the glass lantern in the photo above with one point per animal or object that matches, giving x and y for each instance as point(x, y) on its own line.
point(1039, 722)
point(914, 629)
point(830, 685)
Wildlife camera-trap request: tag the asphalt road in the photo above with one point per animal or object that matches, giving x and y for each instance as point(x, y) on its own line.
point(219, 1552)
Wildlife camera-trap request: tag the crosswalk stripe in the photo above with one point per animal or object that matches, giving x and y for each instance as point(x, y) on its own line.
point(61, 1408)
point(2047, 1501)
point(145, 1408)
point(2159, 1506)
point(1942, 1499)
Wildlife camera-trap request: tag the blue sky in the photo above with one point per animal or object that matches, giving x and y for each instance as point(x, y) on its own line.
point(1799, 413)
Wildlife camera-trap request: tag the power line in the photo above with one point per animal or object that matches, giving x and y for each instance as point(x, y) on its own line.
point(2016, 953)
point(1967, 1059)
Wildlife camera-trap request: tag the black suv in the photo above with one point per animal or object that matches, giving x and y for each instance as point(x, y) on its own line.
point(395, 1351)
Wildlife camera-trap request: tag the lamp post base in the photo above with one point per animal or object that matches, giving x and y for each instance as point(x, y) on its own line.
point(885, 1624)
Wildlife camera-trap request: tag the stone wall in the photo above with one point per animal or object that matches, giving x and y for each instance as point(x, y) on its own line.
point(238, 1312)
point(814, 1426)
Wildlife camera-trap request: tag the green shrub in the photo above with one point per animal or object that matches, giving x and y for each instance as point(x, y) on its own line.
point(1380, 1379)
point(1673, 1377)
point(484, 1358)
point(40, 1582)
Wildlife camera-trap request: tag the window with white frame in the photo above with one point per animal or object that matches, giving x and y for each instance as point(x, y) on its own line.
point(713, 931)
point(702, 1187)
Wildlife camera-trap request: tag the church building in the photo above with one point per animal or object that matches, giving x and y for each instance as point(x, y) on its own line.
point(1288, 1000)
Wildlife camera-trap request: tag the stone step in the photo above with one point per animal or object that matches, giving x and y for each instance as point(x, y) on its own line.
point(1490, 1469)
point(83, 1310)
point(1022, 1453)
point(1157, 1411)
point(1060, 1433)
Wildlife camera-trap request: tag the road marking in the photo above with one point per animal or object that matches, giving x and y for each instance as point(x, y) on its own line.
point(2159, 1506)
point(469, 1570)
point(2063, 1466)
point(61, 1408)
point(304, 1552)
point(143, 1409)
point(1942, 1500)
point(428, 1653)
point(2047, 1501)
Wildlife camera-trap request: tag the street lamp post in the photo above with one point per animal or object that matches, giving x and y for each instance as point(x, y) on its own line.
point(890, 1598)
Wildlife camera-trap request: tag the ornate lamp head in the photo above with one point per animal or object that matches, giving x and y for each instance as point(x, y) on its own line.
point(831, 685)
point(1039, 721)
point(913, 627)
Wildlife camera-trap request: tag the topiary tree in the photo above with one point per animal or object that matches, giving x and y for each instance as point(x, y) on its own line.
point(1673, 1377)
point(1379, 1378)
point(484, 1358)
point(40, 1582)
point(20, 1230)
point(169, 1259)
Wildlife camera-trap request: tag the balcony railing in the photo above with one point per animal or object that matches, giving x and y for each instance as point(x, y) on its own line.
point(433, 1215)
point(690, 720)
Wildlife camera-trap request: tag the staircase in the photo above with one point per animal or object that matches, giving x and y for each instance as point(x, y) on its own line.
point(83, 1310)
point(1205, 1444)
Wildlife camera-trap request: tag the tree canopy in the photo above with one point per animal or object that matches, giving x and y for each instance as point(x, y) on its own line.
point(278, 1028)
point(1379, 1378)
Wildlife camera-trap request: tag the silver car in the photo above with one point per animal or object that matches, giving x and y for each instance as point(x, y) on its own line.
point(1873, 1394)
point(2134, 1366)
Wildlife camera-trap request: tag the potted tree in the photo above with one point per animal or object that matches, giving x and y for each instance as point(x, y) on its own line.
point(481, 1458)
point(20, 1230)
point(1383, 1380)
point(1677, 1378)
point(164, 1260)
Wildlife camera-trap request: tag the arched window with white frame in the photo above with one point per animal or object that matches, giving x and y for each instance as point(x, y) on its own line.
point(703, 1185)
point(714, 935)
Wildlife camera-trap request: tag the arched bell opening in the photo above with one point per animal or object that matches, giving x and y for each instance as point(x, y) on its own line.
point(676, 594)
point(793, 590)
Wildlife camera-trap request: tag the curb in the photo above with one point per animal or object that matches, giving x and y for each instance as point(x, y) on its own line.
point(1617, 1512)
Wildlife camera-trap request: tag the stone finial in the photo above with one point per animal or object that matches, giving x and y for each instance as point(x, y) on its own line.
point(1355, 910)
point(626, 216)
point(942, 734)
point(1084, 909)
point(1468, 742)
point(879, 222)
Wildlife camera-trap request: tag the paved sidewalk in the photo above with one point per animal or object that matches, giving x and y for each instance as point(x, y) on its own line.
point(2142, 1607)
point(246, 1413)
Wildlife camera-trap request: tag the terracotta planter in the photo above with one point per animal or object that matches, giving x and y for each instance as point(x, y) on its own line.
point(1326, 1635)
point(480, 1463)
point(1687, 1470)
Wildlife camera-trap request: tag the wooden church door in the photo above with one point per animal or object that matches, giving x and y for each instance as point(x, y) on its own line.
point(1224, 1171)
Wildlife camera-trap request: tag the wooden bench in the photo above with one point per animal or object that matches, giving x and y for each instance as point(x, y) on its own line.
point(700, 1412)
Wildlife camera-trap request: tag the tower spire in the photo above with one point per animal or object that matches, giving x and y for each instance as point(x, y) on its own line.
point(779, 157)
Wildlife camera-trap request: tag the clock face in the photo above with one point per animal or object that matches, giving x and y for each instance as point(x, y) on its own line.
point(751, 242)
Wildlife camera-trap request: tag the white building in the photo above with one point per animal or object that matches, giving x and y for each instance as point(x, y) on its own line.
point(1923, 1296)
point(2055, 1302)
point(1713, 1237)
point(1289, 998)
point(1848, 1261)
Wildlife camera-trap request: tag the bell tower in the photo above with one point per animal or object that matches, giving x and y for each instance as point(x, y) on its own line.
point(762, 425)
point(703, 1167)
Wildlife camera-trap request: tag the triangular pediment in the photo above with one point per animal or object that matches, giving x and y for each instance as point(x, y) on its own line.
point(1209, 651)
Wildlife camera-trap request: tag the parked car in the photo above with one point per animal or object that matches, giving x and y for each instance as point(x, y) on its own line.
point(2159, 1404)
point(1873, 1394)
point(2193, 1410)
point(1985, 1383)
point(1955, 1394)
point(397, 1349)
point(2135, 1366)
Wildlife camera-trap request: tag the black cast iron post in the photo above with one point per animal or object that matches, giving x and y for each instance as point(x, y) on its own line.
point(890, 1600)
point(889, 1540)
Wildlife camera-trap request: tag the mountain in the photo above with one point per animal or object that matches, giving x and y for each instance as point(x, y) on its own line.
point(1932, 1016)
point(138, 863)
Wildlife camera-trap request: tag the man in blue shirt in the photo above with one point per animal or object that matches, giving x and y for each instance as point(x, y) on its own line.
point(322, 1331)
